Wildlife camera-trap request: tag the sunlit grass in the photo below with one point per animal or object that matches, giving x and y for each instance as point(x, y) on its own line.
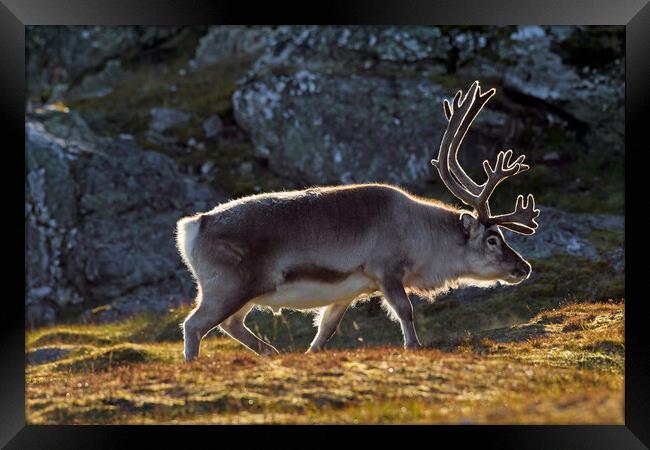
point(564, 365)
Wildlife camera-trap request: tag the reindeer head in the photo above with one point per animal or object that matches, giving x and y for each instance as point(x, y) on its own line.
point(489, 257)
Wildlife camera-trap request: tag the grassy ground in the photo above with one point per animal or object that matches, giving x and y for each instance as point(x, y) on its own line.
point(560, 365)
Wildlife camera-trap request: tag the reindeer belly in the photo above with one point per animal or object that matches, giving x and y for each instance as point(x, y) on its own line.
point(306, 294)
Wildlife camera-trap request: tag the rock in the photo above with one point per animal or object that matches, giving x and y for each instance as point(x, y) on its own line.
point(164, 118)
point(50, 215)
point(562, 233)
point(63, 54)
point(51, 189)
point(58, 93)
point(330, 129)
point(594, 104)
point(246, 168)
point(147, 197)
point(364, 103)
point(40, 312)
point(100, 223)
point(359, 50)
point(206, 167)
point(45, 355)
point(228, 41)
point(262, 152)
point(551, 157)
point(212, 126)
point(156, 299)
point(161, 140)
point(41, 291)
point(67, 126)
point(98, 84)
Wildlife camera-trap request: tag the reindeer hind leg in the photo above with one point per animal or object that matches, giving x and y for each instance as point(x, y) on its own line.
point(214, 306)
point(235, 327)
point(330, 317)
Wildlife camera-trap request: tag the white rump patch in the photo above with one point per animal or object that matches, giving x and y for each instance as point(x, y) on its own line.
point(186, 231)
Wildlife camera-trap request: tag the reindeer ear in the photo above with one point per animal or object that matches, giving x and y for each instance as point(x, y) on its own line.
point(472, 226)
point(468, 221)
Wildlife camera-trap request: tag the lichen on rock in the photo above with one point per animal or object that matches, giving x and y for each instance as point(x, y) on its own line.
point(100, 222)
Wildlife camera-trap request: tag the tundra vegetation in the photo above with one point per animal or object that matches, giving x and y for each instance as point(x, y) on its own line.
point(128, 129)
point(562, 365)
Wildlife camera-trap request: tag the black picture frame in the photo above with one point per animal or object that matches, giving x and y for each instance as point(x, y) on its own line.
point(16, 14)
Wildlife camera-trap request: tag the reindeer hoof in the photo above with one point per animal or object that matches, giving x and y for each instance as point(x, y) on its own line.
point(413, 346)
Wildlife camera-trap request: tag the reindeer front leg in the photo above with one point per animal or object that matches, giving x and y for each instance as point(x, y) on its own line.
point(399, 302)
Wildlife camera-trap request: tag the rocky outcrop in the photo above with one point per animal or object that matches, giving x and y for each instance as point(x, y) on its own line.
point(588, 99)
point(100, 219)
point(331, 129)
point(164, 118)
point(597, 237)
point(50, 215)
point(222, 42)
point(58, 55)
point(347, 104)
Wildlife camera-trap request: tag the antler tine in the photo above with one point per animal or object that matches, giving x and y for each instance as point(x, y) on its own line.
point(522, 219)
point(457, 114)
point(460, 115)
point(455, 166)
point(502, 169)
point(448, 110)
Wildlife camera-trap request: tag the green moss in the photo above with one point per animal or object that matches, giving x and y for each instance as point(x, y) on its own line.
point(228, 156)
point(526, 136)
point(64, 336)
point(599, 361)
point(45, 94)
point(159, 327)
point(607, 240)
point(192, 129)
point(71, 313)
point(106, 358)
point(581, 181)
point(203, 92)
point(554, 282)
point(579, 278)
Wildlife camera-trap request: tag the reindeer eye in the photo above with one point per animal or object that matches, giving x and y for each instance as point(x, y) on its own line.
point(492, 241)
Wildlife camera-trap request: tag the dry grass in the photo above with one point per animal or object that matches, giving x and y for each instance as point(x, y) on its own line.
point(562, 366)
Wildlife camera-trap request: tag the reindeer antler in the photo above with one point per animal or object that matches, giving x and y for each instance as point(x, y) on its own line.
point(460, 117)
point(522, 218)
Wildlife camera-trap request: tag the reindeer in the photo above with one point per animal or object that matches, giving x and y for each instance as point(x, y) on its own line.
point(325, 247)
